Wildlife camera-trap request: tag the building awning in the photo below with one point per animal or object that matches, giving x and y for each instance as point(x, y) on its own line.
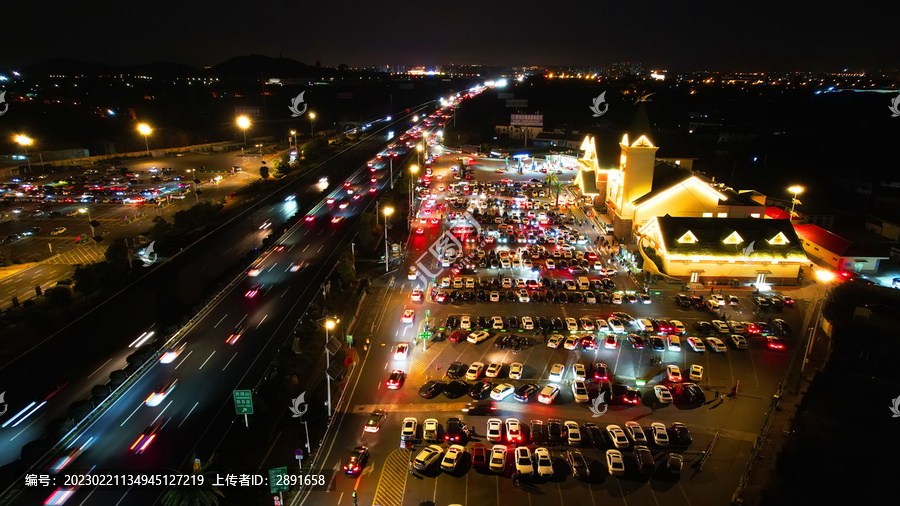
point(764, 272)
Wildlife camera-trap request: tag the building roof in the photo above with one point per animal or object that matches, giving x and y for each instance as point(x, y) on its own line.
point(777, 213)
point(665, 176)
point(587, 181)
point(757, 237)
point(838, 245)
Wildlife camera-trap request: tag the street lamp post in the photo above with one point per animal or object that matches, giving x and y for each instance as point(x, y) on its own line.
point(824, 277)
point(145, 130)
point(795, 190)
point(312, 117)
point(419, 153)
point(243, 122)
point(294, 135)
point(329, 324)
point(391, 162)
point(24, 141)
point(387, 212)
point(412, 170)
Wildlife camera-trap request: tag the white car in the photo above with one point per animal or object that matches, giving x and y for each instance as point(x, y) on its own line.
point(475, 371)
point(515, 370)
point(401, 352)
point(428, 456)
point(524, 464)
point(527, 323)
point(495, 296)
point(678, 326)
point(452, 457)
point(696, 373)
point(494, 369)
point(578, 372)
point(617, 436)
point(644, 324)
point(523, 295)
point(502, 391)
point(408, 430)
point(674, 373)
point(663, 394)
point(548, 394)
point(617, 298)
point(720, 300)
point(697, 344)
point(720, 326)
point(615, 326)
point(590, 298)
point(586, 324)
point(660, 435)
point(614, 463)
point(544, 462)
point(477, 337)
point(498, 459)
point(408, 316)
point(496, 323)
point(636, 432)
point(557, 371)
point(674, 343)
point(465, 323)
point(571, 324)
point(570, 343)
point(430, 429)
point(579, 390)
point(716, 344)
point(494, 430)
point(550, 264)
point(553, 341)
point(573, 433)
point(738, 341)
point(513, 430)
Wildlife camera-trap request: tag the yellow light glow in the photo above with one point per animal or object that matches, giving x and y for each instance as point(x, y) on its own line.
point(23, 140)
point(144, 129)
point(779, 239)
point(388, 211)
point(243, 122)
point(312, 115)
point(734, 238)
point(824, 276)
point(692, 179)
point(329, 324)
point(419, 147)
point(293, 132)
point(796, 189)
point(688, 238)
point(414, 168)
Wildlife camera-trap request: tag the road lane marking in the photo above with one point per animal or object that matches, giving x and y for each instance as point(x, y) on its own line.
point(185, 358)
point(189, 414)
point(229, 361)
point(207, 359)
point(161, 412)
point(261, 321)
point(101, 367)
point(132, 414)
point(304, 248)
point(285, 292)
point(220, 321)
point(320, 248)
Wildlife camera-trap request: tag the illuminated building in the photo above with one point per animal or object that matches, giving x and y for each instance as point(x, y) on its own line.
point(840, 252)
point(748, 250)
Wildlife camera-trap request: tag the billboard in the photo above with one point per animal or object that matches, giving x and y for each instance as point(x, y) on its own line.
point(526, 120)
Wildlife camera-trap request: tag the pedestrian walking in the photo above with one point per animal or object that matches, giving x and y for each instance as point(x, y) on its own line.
point(410, 468)
point(717, 395)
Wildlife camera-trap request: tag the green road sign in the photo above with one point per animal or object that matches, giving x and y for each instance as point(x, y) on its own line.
point(278, 480)
point(243, 402)
point(427, 313)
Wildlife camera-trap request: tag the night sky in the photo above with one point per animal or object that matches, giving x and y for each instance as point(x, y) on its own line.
point(693, 35)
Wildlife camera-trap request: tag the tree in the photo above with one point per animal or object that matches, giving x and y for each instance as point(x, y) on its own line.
point(554, 182)
point(117, 254)
point(264, 172)
point(205, 494)
point(345, 267)
point(368, 232)
point(86, 280)
point(59, 296)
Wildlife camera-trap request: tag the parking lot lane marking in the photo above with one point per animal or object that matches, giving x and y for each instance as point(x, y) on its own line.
point(392, 480)
point(752, 364)
point(686, 498)
point(730, 366)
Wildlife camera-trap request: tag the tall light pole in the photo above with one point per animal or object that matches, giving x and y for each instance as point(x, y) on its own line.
point(387, 212)
point(312, 117)
point(90, 220)
point(419, 152)
point(24, 141)
point(413, 170)
point(824, 277)
point(243, 122)
point(329, 324)
point(795, 190)
point(145, 130)
point(294, 135)
point(391, 161)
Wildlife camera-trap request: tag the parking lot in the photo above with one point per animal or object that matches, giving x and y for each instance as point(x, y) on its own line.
point(464, 285)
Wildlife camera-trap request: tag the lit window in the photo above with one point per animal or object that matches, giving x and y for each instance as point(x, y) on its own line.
point(734, 238)
point(722, 215)
point(688, 238)
point(696, 260)
point(754, 215)
point(731, 261)
point(707, 215)
point(778, 240)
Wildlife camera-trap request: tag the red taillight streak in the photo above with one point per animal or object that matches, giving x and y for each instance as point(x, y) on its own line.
point(147, 443)
point(137, 442)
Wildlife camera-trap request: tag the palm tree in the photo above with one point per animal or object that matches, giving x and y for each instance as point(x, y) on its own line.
point(206, 494)
point(553, 182)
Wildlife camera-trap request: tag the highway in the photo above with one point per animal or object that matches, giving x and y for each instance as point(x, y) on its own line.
point(99, 344)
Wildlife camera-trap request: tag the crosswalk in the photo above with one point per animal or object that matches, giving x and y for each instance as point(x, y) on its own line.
point(80, 255)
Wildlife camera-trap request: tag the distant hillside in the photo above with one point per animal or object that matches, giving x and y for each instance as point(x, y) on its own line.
point(256, 65)
point(165, 69)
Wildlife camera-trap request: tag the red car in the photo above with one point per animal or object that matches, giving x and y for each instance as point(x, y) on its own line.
point(395, 380)
point(774, 343)
point(588, 342)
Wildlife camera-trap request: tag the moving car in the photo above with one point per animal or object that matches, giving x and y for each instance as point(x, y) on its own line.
point(408, 316)
point(524, 392)
point(160, 393)
point(502, 391)
point(674, 463)
point(171, 354)
point(395, 380)
point(356, 460)
point(644, 458)
point(693, 393)
point(774, 343)
point(416, 295)
point(401, 352)
point(548, 394)
point(251, 293)
point(376, 418)
point(236, 334)
point(478, 336)
point(148, 436)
